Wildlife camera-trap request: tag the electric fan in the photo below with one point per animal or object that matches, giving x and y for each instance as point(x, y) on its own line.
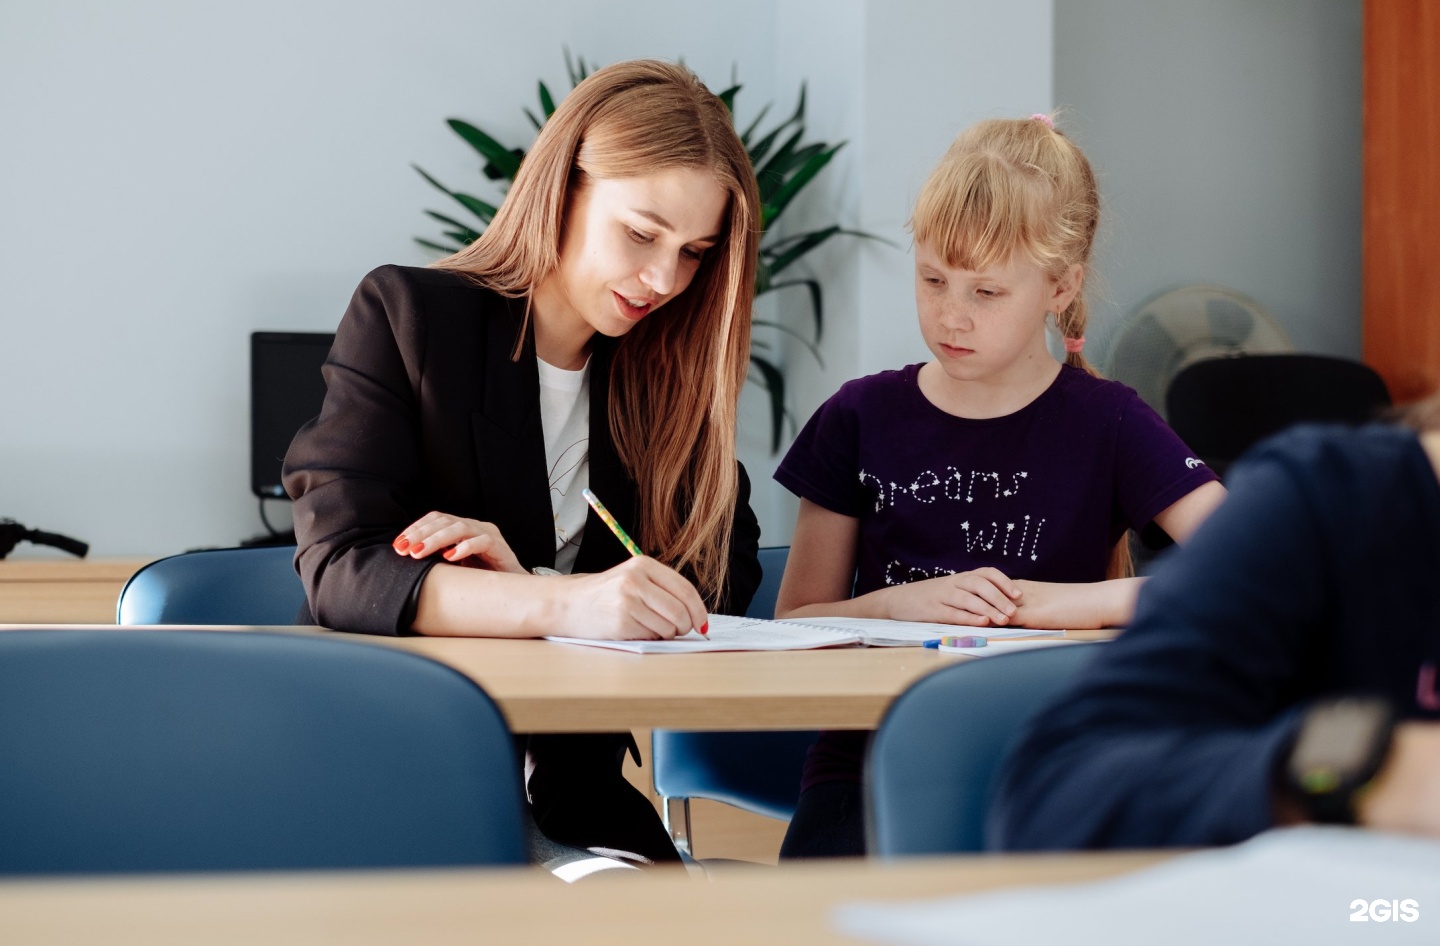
point(1186, 325)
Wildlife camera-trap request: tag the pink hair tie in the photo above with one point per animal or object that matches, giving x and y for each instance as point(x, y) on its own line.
point(1042, 117)
point(1075, 345)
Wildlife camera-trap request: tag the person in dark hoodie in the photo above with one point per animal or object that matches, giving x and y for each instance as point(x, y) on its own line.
point(1280, 668)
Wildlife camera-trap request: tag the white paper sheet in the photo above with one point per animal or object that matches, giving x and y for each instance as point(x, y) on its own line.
point(732, 633)
point(882, 633)
point(1291, 886)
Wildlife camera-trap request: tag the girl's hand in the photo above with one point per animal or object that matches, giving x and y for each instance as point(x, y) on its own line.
point(978, 598)
point(464, 541)
point(640, 599)
point(1079, 605)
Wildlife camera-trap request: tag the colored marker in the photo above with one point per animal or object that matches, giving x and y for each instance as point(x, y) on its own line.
point(620, 534)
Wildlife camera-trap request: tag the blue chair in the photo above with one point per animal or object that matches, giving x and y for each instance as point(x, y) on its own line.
point(215, 586)
point(756, 771)
point(139, 751)
point(935, 760)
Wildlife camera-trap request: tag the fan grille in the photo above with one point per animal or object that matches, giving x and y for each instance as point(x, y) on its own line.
point(1186, 325)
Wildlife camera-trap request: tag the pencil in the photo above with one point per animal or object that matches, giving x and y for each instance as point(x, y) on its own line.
point(625, 540)
point(609, 520)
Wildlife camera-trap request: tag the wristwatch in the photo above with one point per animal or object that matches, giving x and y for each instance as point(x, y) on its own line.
point(1340, 748)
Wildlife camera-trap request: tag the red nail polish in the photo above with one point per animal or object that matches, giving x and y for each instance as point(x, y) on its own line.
point(449, 554)
point(417, 548)
point(401, 543)
point(705, 628)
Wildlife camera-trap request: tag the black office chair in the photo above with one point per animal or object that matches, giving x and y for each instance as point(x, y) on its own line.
point(139, 751)
point(1221, 407)
point(935, 759)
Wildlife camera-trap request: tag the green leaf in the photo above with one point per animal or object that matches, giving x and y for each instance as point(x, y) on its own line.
point(533, 120)
point(782, 197)
point(745, 135)
point(504, 159)
point(728, 97)
point(476, 206)
point(546, 102)
point(799, 107)
point(763, 146)
point(577, 69)
point(773, 380)
point(771, 181)
point(447, 250)
point(497, 173)
point(433, 183)
point(795, 158)
point(793, 334)
point(808, 242)
point(817, 307)
point(781, 158)
point(452, 222)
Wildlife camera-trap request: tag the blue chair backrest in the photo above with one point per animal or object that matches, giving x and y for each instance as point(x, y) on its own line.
point(216, 586)
point(772, 569)
point(756, 771)
point(211, 750)
point(935, 760)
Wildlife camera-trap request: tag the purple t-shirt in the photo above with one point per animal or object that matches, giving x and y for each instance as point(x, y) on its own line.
point(1042, 494)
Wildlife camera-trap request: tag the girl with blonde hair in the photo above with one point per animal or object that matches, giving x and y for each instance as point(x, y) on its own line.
point(469, 404)
point(992, 486)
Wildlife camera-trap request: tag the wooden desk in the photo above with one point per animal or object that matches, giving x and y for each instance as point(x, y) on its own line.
point(746, 906)
point(48, 591)
point(547, 687)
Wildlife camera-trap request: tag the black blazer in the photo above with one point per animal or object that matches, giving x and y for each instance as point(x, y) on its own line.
point(425, 410)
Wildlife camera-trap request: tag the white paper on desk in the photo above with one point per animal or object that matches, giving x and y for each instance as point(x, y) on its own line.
point(732, 633)
point(1293, 885)
point(877, 632)
point(994, 647)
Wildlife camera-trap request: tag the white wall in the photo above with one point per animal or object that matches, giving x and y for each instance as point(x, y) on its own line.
point(175, 175)
point(909, 74)
point(1227, 139)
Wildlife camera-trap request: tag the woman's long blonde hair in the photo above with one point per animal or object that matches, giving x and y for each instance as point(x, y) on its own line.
point(677, 376)
point(1018, 186)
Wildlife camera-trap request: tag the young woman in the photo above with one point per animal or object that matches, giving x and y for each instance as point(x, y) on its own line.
point(597, 335)
point(992, 485)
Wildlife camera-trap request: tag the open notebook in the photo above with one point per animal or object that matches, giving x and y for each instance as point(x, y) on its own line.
point(732, 633)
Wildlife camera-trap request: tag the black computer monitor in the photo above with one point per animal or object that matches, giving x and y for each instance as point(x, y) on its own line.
point(286, 390)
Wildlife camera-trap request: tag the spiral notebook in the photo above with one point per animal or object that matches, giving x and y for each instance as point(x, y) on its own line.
point(731, 633)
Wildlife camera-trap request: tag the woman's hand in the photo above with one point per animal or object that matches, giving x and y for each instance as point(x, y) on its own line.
point(978, 598)
point(640, 599)
point(464, 541)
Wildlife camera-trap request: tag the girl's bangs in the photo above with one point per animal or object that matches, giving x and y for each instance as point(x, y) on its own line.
point(977, 212)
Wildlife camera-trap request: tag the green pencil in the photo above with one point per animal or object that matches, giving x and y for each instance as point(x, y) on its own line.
point(609, 520)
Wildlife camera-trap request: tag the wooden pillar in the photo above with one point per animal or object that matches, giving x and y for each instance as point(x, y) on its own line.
point(1402, 195)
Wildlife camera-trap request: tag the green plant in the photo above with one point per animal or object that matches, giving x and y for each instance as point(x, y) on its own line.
point(784, 164)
